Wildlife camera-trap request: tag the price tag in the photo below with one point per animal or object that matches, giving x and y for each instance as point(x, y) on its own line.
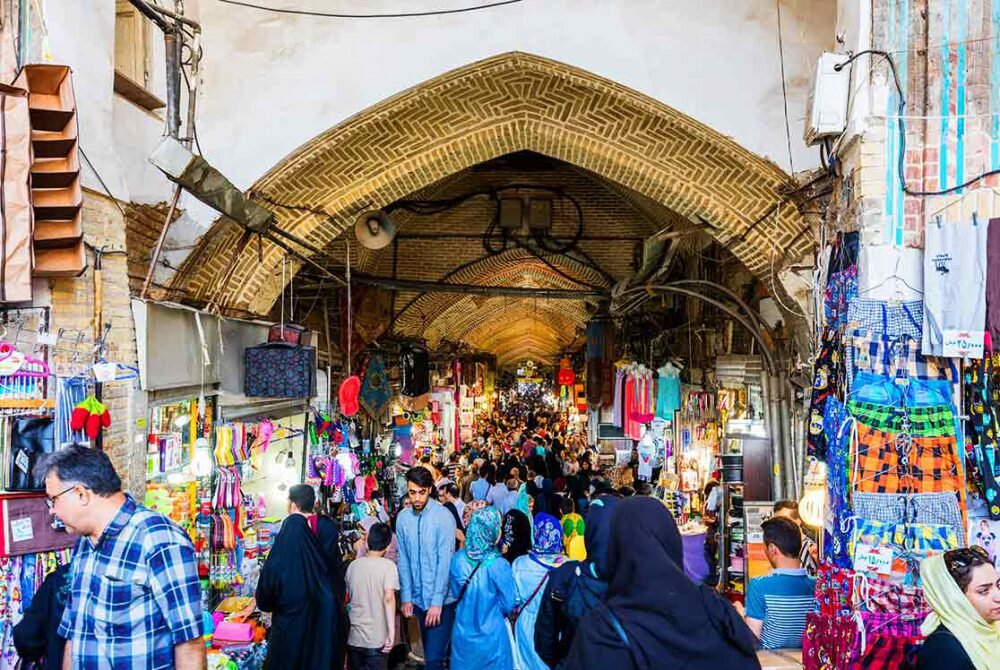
point(47, 339)
point(22, 461)
point(963, 343)
point(105, 372)
point(21, 530)
point(873, 559)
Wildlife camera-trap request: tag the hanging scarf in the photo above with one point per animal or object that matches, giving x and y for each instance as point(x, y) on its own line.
point(548, 541)
point(950, 607)
point(482, 534)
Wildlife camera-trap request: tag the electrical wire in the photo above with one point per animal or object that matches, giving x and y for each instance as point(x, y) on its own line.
point(901, 126)
point(784, 88)
point(403, 15)
point(101, 180)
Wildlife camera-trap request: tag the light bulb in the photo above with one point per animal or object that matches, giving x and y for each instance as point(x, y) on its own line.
point(811, 507)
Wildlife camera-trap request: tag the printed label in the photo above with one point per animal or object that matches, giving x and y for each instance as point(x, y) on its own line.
point(22, 461)
point(873, 559)
point(105, 372)
point(963, 343)
point(21, 530)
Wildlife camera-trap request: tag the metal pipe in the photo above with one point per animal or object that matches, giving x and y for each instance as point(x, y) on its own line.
point(771, 417)
point(179, 18)
point(171, 45)
point(788, 472)
point(777, 447)
point(159, 243)
point(147, 10)
point(472, 289)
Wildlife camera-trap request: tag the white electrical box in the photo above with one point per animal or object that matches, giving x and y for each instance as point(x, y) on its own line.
point(826, 111)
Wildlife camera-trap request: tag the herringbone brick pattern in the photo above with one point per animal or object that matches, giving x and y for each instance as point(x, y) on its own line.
point(501, 105)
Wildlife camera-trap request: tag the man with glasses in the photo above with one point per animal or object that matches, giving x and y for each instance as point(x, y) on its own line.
point(134, 600)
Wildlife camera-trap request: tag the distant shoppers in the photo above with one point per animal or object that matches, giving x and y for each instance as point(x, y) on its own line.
point(300, 591)
point(963, 629)
point(426, 532)
point(134, 599)
point(36, 637)
point(372, 582)
point(484, 585)
point(361, 544)
point(480, 485)
point(653, 616)
point(575, 588)
point(778, 603)
point(531, 572)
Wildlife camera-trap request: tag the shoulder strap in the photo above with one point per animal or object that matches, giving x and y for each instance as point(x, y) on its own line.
point(468, 581)
point(623, 636)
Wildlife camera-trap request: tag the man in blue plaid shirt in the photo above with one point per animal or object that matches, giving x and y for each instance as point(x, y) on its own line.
point(134, 601)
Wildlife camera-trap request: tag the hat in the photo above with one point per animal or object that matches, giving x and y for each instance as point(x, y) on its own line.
point(348, 395)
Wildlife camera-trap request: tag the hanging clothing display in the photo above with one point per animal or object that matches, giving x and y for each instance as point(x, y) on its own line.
point(993, 280)
point(954, 281)
point(842, 279)
point(668, 391)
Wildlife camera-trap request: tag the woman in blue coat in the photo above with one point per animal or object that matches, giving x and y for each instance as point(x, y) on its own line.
point(531, 572)
point(484, 585)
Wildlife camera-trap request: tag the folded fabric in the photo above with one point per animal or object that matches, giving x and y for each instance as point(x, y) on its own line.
point(830, 643)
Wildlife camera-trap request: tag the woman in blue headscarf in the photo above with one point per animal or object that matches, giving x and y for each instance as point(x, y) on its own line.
point(531, 572)
point(483, 583)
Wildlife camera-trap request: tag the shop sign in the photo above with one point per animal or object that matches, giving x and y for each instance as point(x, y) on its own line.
point(964, 343)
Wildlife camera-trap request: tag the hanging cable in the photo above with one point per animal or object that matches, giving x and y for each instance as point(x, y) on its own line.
point(901, 126)
point(306, 12)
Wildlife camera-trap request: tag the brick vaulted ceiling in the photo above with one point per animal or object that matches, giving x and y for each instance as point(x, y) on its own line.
point(653, 165)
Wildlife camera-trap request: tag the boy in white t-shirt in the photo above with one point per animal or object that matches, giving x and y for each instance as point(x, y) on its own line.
point(372, 581)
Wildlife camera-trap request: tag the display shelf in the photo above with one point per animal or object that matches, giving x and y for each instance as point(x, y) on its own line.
point(36, 403)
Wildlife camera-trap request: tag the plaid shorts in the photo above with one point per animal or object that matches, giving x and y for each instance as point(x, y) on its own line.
point(918, 508)
point(893, 357)
point(924, 464)
point(924, 421)
point(889, 598)
point(893, 320)
point(891, 652)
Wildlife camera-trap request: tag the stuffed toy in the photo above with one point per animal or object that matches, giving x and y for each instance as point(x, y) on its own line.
point(90, 415)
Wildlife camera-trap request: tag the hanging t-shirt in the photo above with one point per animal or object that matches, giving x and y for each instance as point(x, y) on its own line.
point(668, 392)
point(954, 281)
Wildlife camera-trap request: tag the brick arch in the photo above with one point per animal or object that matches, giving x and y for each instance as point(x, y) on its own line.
point(507, 103)
point(515, 267)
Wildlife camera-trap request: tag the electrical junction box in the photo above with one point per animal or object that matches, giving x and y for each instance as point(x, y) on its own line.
point(826, 110)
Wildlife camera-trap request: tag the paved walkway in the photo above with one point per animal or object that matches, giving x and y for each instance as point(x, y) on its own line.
point(781, 659)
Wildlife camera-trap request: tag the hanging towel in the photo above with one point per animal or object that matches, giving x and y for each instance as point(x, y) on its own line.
point(954, 281)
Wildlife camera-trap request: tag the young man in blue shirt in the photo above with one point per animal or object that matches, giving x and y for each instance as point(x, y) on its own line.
point(778, 603)
point(426, 537)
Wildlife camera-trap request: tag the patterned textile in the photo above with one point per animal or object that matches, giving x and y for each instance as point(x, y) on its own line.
point(830, 643)
point(918, 508)
point(981, 429)
point(834, 590)
point(133, 596)
point(893, 624)
point(483, 533)
point(890, 652)
point(375, 389)
point(470, 508)
point(841, 289)
point(838, 451)
point(885, 597)
point(893, 357)
point(910, 543)
point(828, 379)
point(923, 421)
point(896, 463)
point(548, 545)
point(891, 319)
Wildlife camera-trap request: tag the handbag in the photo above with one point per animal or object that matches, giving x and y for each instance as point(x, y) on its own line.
point(31, 439)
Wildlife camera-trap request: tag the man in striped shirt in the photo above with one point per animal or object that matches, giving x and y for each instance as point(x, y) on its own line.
point(778, 603)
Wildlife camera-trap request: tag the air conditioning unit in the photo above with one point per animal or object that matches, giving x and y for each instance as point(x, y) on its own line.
point(826, 110)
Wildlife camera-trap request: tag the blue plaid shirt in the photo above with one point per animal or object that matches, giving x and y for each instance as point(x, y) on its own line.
point(133, 595)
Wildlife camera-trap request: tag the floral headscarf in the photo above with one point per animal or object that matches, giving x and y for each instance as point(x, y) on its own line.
point(470, 508)
point(482, 535)
point(548, 547)
point(516, 534)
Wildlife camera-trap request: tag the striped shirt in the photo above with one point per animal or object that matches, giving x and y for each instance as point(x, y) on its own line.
point(781, 600)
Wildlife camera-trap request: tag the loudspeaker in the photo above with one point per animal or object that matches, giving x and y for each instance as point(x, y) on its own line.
point(374, 230)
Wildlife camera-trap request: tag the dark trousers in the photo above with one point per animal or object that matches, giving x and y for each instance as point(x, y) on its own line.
point(437, 639)
point(360, 658)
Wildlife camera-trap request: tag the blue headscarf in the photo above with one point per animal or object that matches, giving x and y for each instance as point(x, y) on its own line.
point(482, 534)
point(548, 545)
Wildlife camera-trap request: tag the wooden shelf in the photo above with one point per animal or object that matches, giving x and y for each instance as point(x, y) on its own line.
point(47, 403)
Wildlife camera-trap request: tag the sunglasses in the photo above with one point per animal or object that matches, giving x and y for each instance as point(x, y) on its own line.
point(966, 557)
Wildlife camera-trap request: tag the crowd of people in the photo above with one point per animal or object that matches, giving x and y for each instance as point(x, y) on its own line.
point(517, 552)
